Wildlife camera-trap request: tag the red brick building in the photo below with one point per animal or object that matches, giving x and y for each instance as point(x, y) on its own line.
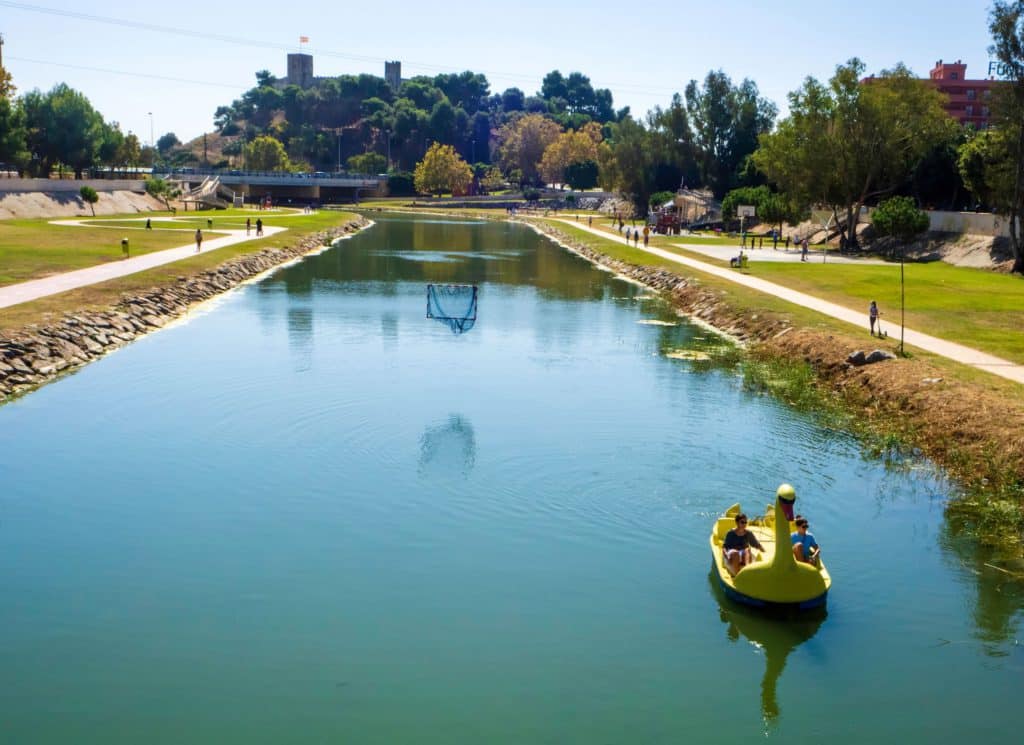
point(970, 101)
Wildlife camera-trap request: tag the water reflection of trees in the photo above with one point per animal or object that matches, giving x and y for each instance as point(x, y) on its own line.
point(776, 633)
point(998, 587)
point(482, 253)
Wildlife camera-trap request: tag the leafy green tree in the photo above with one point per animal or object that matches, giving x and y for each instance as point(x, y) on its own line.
point(465, 90)
point(847, 143)
point(1000, 156)
point(166, 142)
point(900, 218)
point(367, 163)
point(752, 195)
point(582, 175)
point(567, 149)
point(401, 184)
point(63, 128)
point(659, 198)
point(521, 144)
point(726, 122)
point(441, 170)
point(266, 154)
point(160, 189)
point(627, 163)
point(492, 179)
point(13, 134)
point(90, 196)
point(513, 99)
point(7, 88)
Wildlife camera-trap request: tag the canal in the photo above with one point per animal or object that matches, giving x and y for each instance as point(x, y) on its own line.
point(310, 514)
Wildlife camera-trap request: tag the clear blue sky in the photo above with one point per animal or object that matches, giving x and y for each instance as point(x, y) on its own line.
point(643, 53)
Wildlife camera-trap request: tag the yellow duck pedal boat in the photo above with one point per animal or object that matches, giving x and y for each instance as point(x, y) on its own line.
point(774, 577)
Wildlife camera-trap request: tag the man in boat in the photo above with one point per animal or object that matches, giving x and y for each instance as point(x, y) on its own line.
point(805, 548)
point(738, 544)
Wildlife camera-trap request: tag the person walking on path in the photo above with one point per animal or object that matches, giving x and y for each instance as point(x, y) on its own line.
point(149, 225)
point(803, 249)
point(636, 237)
point(248, 226)
point(873, 318)
point(259, 227)
point(199, 239)
point(647, 235)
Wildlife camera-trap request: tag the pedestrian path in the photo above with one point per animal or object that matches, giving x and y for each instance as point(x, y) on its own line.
point(24, 292)
point(941, 347)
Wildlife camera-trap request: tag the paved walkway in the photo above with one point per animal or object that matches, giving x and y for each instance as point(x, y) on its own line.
point(24, 292)
point(941, 347)
point(782, 254)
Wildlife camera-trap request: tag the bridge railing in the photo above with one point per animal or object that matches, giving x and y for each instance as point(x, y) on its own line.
point(299, 177)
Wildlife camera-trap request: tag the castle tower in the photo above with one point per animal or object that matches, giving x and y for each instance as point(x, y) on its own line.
point(393, 74)
point(300, 70)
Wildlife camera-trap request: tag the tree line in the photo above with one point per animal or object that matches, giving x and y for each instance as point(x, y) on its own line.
point(60, 130)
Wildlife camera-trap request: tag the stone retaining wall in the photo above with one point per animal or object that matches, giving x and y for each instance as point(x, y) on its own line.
point(701, 303)
point(40, 353)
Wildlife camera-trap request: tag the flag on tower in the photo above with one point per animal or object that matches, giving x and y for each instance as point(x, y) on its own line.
point(303, 40)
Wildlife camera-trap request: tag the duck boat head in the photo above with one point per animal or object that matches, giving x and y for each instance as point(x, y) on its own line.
point(775, 577)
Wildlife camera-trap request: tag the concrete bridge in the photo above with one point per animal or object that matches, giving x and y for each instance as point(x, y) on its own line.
point(299, 187)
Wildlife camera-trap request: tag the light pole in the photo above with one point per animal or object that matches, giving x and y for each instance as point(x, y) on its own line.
point(152, 142)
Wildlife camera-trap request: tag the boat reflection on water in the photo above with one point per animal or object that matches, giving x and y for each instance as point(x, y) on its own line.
point(775, 632)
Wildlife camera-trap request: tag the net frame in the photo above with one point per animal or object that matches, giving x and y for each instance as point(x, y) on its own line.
point(436, 310)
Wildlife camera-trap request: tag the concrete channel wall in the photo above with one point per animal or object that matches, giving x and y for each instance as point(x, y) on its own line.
point(62, 186)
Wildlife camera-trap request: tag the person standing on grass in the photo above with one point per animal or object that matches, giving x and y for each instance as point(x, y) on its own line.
point(199, 239)
point(259, 227)
point(873, 318)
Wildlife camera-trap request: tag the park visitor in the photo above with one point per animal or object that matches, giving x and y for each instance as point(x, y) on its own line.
point(805, 548)
point(199, 239)
point(737, 545)
point(873, 318)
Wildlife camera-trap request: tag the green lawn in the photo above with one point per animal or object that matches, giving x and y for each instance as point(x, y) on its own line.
point(986, 306)
point(974, 307)
point(105, 294)
point(30, 249)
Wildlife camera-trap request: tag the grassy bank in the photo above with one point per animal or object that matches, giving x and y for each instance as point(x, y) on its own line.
point(30, 249)
point(106, 294)
point(967, 421)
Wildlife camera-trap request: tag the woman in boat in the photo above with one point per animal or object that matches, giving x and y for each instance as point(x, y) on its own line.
point(805, 548)
point(737, 545)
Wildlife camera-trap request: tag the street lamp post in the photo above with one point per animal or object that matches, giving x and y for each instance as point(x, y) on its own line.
point(152, 142)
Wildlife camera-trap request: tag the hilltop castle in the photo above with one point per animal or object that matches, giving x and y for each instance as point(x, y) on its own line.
point(300, 72)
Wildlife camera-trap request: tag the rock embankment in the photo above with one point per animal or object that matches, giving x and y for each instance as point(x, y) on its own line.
point(37, 354)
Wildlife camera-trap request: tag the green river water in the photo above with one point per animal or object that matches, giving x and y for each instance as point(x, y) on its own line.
point(311, 515)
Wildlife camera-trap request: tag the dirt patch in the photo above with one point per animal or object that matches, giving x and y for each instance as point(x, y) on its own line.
point(36, 204)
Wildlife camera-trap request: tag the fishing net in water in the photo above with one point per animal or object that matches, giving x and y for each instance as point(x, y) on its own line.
point(454, 305)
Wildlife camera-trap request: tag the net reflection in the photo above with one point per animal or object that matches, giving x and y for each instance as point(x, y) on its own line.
point(448, 447)
point(776, 633)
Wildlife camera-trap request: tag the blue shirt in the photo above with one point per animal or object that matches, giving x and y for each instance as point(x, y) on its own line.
point(807, 539)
